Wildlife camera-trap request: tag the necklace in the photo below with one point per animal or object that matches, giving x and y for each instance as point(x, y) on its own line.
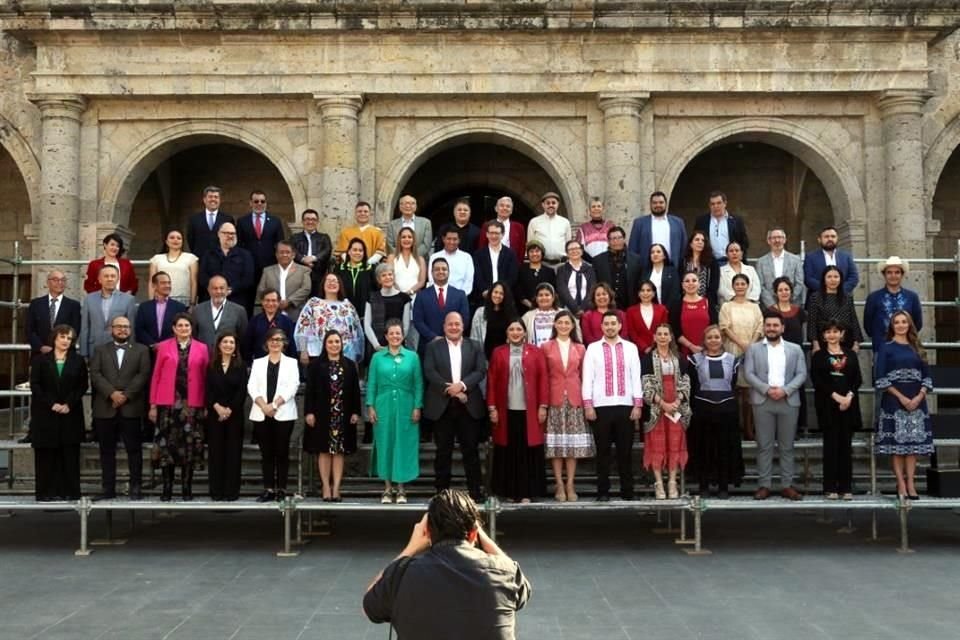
point(169, 261)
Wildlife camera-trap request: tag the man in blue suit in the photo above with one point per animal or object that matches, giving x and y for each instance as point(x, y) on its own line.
point(816, 261)
point(434, 302)
point(259, 232)
point(154, 321)
point(658, 228)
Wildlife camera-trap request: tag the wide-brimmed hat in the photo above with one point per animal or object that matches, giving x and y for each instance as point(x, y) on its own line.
point(894, 261)
point(550, 194)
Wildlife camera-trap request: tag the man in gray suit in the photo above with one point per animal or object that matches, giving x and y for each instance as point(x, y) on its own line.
point(291, 280)
point(421, 227)
point(779, 263)
point(775, 370)
point(120, 378)
point(218, 314)
point(453, 368)
point(101, 307)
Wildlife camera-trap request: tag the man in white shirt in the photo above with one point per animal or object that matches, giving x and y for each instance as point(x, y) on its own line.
point(612, 403)
point(551, 230)
point(459, 261)
point(494, 263)
point(779, 263)
point(775, 370)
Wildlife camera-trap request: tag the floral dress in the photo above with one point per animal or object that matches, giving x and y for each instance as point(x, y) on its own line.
point(319, 316)
point(179, 435)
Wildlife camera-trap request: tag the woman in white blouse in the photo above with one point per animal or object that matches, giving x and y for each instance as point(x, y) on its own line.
point(735, 265)
point(274, 380)
point(180, 265)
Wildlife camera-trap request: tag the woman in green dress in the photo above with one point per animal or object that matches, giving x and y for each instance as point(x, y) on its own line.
point(394, 400)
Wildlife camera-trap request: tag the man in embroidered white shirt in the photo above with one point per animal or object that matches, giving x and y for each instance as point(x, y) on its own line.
point(775, 370)
point(612, 403)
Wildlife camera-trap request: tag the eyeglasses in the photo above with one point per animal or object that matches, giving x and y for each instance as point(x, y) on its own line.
point(228, 233)
point(125, 327)
point(276, 339)
point(259, 201)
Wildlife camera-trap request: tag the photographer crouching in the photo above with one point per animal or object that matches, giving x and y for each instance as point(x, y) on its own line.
point(451, 580)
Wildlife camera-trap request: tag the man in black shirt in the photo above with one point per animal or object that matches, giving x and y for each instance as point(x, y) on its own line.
point(443, 586)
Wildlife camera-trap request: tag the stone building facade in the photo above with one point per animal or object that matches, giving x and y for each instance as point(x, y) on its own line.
point(113, 115)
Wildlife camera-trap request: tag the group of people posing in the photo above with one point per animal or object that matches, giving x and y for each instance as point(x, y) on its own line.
point(570, 351)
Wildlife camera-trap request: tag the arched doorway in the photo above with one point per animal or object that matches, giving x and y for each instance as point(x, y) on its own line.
point(16, 216)
point(483, 173)
point(946, 209)
point(764, 184)
point(171, 192)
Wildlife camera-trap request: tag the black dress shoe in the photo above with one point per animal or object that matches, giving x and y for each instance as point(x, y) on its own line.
point(267, 496)
point(328, 499)
point(913, 497)
point(281, 495)
point(603, 498)
point(336, 499)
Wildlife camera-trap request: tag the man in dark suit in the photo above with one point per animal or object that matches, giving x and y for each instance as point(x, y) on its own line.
point(619, 268)
point(659, 227)
point(494, 262)
point(816, 261)
point(233, 263)
point(120, 378)
point(154, 321)
point(469, 233)
point(434, 302)
point(453, 369)
point(202, 228)
point(313, 249)
point(48, 311)
point(722, 228)
point(258, 232)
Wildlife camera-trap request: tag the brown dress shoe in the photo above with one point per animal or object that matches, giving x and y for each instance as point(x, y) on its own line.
point(761, 494)
point(791, 494)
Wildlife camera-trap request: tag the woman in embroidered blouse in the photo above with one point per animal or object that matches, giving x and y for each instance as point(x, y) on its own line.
point(831, 302)
point(666, 390)
point(644, 317)
point(902, 377)
point(539, 321)
point(331, 406)
point(835, 374)
point(180, 265)
point(331, 312)
point(599, 301)
point(568, 438)
point(517, 404)
point(734, 266)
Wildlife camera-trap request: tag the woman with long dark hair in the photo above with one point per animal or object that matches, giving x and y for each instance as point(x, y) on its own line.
point(698, 258)
point(517, 402)
point(600, 299)
point(832, 303)
point(331, 406)
point(180, 265)
point(691, 315)
point(644, 317)
point(489, 324)
point(225, 394)
point(357, 276)
point(113, 251)
point(663, 275)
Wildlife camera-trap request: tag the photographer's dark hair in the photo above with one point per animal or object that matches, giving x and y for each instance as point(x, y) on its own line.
point(451, 515)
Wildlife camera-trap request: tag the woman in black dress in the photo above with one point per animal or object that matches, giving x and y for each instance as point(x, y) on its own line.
point(831, 303)
point(226, 393)
point(58, 380)
point(533, 273)
point(332, 411)
point(489, 324)
point(835, 373)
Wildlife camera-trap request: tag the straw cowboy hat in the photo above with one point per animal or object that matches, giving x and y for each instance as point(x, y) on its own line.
point(894, 261)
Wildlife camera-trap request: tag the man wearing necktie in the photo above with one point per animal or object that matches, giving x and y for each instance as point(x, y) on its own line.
point(258, 232)
point(202, 227)
point(48, 311)
point(119, 378)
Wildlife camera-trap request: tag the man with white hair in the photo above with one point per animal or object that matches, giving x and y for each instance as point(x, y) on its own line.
point(514, 233)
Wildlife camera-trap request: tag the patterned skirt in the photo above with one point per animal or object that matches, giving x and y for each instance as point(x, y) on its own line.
point(567, 433)
point(904, 433)
point(178, 439)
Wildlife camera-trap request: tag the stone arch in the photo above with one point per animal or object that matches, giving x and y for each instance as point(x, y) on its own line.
point(133, 170)
point(935, 161)
point(490, 131)
point(27, 162)
point(840, 182)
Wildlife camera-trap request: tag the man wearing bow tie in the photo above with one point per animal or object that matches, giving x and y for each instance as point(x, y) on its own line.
point(119, 378)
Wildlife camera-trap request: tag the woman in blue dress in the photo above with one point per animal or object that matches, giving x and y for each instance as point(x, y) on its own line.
point(903, 380)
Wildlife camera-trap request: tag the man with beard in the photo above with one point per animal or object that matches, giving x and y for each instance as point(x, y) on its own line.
point(658, 228)
point(816, 261)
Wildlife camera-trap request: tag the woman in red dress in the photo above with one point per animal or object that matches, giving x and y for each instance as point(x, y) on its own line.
point(691, 316)
point(644, 317)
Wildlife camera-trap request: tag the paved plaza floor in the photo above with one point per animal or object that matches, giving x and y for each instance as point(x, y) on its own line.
point(200, 576)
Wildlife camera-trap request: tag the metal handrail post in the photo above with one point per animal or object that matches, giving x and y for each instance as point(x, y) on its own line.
point(873, 486)
point(14, 329)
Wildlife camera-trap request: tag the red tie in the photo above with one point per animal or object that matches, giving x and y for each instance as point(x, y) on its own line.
point(257, 225)
point(440, 299)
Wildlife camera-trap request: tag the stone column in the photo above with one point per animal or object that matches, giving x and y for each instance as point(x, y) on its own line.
point(340, 169)
point(901, 114)
point(59, 215)
point(622, 135)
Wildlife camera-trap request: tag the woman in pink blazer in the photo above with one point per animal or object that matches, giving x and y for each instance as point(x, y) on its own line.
point(567, 435)
point(177, 405)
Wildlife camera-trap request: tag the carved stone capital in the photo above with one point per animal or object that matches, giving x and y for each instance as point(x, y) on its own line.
point(59, 105)
point(901, 102)
point(622, 104)
point(339, 106)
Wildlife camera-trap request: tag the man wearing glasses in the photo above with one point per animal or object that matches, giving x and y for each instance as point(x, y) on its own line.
point(48, 311)
point(259, 232)
point(233, 263)
point(119, 378)
point(779, 263)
